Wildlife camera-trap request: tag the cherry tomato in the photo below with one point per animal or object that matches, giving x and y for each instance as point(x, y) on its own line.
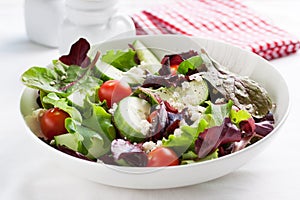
point(52, 122)
point(162, 156)
point(152, 116)
point(174, 69)
point(113, 91)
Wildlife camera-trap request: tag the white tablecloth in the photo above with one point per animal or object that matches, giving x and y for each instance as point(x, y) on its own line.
point(25, 175)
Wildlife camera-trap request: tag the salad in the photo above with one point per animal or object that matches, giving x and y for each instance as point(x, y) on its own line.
point(128, 108)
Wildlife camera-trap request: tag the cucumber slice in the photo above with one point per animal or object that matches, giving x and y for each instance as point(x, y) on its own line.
point(107, 71)
point(147, 94)
point(130, 118)
point(195, 94)
point(191, 94)
point(149, 60)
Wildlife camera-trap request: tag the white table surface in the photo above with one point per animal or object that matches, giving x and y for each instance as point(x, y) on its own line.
point(25, 175)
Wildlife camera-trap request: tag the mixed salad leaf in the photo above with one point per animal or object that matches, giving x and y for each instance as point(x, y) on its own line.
point(129, 108)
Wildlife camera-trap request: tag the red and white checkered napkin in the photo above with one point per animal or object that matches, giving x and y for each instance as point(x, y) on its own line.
point(227, 20)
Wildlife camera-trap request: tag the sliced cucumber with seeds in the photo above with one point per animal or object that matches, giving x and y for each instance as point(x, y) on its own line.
point(130, 118)
point(148, 59)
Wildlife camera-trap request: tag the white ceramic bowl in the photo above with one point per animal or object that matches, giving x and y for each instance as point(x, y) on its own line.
point(238, 60)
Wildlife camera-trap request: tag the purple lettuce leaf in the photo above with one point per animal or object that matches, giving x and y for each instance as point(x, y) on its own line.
point(157, 81)
point(174, 121)
point(125, 153)
point(72, 153)
point(165, 121)
point(78, 54)
point(84, 79)
point(165, 77)
point(265, 125)
point(165, 69)
point(247, 127)
point(244, 142)
point(264, 128)
point(159, 122)
point(252, 131)
point(108, 159)
point(170, 108)
point(135, 159)
point(209, 140)
point(174, 59)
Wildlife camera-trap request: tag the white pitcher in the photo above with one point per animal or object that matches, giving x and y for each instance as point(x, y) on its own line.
point(94, 20)
point(43, 19)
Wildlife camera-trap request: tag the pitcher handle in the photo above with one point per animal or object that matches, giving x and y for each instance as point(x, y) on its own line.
point(119, 18)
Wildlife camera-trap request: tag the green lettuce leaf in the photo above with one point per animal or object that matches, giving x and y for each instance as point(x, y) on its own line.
point(61, 79)
point(97, 119)
point(62, 103)
point(218, 112)
point(123, 60)
point(84, 140)
point(213, 116)
point(191, 157)
point(185, 141)
point(41, 78)
point(189, 64)
point(238, 116)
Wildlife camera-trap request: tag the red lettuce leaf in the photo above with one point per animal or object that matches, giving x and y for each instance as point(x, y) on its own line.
point(209, 140)
point(159, 122)
point(157, 81)
point(247, 127)
point(78, 54)
point(84, 74)
point(73, 153)
point(165, 121)
point(165, 77)
point(135, 159)
point(131, 154)
point(252, 131)
point(264, 125)
point(174, 59)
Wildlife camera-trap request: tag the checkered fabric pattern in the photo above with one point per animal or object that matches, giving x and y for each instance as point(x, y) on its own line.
point(226, 20)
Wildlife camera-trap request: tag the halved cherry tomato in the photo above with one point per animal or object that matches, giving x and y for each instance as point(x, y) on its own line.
point(52, 122)
point(113, 91)
point(174, 69)
point(162, 156)
point(152, 116)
